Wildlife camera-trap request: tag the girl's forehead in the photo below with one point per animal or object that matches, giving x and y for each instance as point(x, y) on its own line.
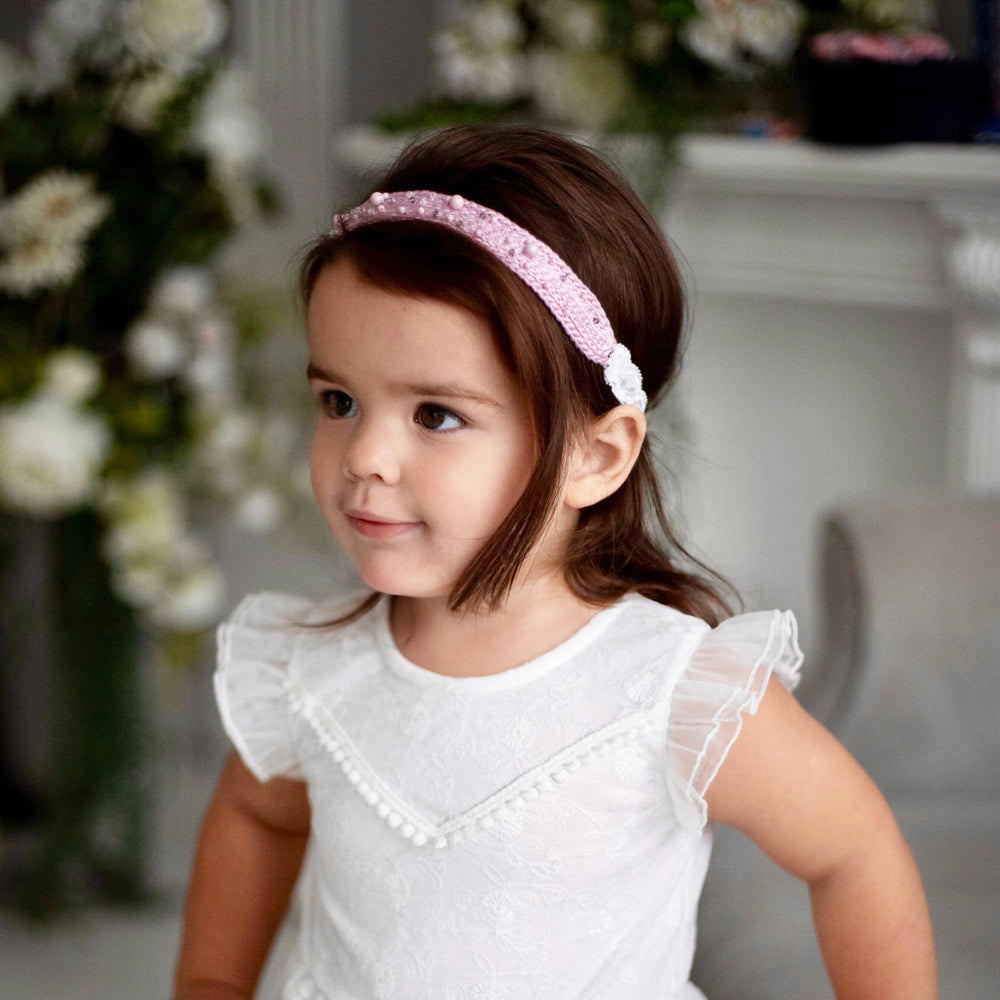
point(343, 302)
point(355, 324)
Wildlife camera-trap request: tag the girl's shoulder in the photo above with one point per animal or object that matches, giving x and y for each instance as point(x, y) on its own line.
point(741, 649)
point(257, 646)
point(260, 637)
point(721, 682)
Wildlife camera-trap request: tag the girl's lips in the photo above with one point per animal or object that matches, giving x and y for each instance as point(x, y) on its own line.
point(373, 527)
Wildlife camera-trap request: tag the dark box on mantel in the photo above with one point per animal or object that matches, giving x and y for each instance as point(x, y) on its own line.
point(862, 102)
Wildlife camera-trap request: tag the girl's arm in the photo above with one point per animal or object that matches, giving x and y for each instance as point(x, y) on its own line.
point(800, 796)
point(248, 858)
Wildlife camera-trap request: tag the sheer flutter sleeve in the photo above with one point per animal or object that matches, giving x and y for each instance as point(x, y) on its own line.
point(254, 649)
point(724, 680)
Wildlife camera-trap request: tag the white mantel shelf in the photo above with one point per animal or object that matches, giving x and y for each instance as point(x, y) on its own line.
point(909, 227)
point(815, 223)
point(898, 171)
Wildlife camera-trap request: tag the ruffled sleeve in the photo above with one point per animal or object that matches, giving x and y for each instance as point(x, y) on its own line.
point(724, 679)
point(254, 649)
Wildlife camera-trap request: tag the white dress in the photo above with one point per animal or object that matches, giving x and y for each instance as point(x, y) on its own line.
point(538, 833)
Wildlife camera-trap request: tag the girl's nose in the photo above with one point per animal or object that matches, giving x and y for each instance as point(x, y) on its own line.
point(371, 454)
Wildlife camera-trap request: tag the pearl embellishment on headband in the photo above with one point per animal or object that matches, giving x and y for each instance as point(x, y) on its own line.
point(570, 301)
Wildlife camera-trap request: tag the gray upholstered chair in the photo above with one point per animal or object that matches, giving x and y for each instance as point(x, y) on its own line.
point(909, 679)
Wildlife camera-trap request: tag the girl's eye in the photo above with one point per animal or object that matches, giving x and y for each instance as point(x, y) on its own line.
point(337, 404)
point(437, 418)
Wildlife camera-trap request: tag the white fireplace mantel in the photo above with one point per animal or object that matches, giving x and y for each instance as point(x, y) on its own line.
point(914, 228)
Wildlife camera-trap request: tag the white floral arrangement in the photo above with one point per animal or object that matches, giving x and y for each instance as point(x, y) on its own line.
point(734, 34)
point(128, 154)
point(591, 64)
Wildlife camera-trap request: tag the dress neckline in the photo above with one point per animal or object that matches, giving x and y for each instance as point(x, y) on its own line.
point(523, 673)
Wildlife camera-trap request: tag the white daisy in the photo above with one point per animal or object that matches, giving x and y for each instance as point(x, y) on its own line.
point(56, 206)
point(39, 263)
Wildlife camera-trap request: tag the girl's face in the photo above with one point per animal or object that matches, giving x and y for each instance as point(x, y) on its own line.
point(423, 442)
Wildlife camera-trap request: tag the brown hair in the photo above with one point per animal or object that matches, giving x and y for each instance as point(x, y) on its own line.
point(571, 199)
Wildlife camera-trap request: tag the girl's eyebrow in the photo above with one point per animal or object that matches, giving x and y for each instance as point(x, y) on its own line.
point(448, 390)
point(314, 371)
point(437, 390)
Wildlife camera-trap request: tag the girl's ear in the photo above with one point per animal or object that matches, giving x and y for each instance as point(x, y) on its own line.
point(604, 457)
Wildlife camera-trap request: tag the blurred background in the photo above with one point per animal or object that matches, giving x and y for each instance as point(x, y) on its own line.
point(829, 175)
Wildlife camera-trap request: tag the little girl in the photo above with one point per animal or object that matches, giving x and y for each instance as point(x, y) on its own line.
point(506, 759)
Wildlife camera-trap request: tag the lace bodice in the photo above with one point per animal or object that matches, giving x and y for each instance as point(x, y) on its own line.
point(535, 833)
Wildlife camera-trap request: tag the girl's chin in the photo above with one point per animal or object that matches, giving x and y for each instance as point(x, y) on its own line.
point(406, 585)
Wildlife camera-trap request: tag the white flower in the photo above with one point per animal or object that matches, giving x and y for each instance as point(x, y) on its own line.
point(211, 376)
point(155, 350)
point(222, 450)
point(260, 511)
point(13, 76)
point(139, 582)
point(66, 26)
point(228, 127)
point(157, 565)
point(51, 454)
point(583, 89)
point(173, 32)
point(184, 291)
point(75, 22)
point(145, 517)
point(574, 24)
point(493, 25)
point(211, 372)
point(38, 263)
point(192, 602)
point(55, 207)
point(71, 374)
point(455, 66)
point(471, 73)
point(499, 76)
point(728, 31)
point(770, 29)
point(43, 227)
point(712, 41)
point(624, 377)
point(230, 435)
point(142, 100)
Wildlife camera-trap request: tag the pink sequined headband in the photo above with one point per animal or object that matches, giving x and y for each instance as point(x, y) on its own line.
point(570, 301)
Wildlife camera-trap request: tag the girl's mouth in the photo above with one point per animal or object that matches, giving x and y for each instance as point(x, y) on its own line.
point(369, 526)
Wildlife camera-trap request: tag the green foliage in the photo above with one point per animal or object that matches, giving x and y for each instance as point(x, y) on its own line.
point(125, 128)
